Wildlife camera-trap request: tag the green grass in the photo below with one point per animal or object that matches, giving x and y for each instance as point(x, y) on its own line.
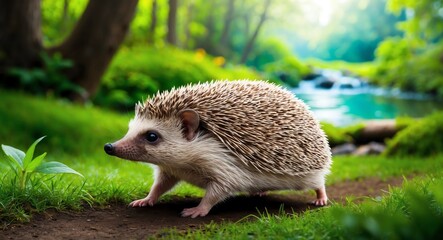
point(76, 135)
point(354, 168)
point(414, 211)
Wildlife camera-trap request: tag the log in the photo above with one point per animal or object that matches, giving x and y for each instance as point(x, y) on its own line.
point(376, 131)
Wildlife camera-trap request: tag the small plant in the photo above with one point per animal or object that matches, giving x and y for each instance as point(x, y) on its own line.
point(24, 165)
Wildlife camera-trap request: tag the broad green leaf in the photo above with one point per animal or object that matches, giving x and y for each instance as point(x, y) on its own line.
point(35, 163)
point(14, 154)
point(30, 153)
point(55, 168)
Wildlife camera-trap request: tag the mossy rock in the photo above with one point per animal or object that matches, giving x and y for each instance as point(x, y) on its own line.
point(424, 138)
point(405, 122)
point(335, 135)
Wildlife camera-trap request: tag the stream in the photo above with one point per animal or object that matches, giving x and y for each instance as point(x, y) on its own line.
point(343, 100)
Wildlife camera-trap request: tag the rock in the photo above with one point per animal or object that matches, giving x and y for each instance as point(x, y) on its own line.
point(311, 76)
point(324, 82)
point(372, 148)
point(347, 83)
point(343, 149)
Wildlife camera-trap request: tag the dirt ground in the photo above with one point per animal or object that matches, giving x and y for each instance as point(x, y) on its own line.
point(122, 222)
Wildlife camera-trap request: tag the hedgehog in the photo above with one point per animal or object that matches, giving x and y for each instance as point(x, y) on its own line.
point(227, 137)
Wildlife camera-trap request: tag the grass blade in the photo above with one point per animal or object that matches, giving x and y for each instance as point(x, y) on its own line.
point(55, 168)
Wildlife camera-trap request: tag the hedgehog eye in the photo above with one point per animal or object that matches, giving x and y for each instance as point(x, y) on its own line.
point(151, 136)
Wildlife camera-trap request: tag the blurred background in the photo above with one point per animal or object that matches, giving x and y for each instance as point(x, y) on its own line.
point(350, 60)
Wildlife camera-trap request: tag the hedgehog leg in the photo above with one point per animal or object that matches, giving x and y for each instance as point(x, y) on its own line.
point(213, 195)
point(162, 184)
point(322, 198)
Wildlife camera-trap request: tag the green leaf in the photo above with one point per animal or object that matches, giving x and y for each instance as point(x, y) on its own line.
point(55, 168)
point(35, 163)
point(30, 153)
point(14, 154)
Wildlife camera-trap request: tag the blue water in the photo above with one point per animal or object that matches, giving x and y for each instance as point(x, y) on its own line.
point(348, 106)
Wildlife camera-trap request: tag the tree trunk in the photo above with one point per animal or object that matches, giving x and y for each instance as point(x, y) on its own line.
point(20, 37)
point(229, 16)
point(153, 24)
point(189, 14)
point(65, 16)
point(208, 41)
point(251, 41)
point(171, 36)
point(94, 41)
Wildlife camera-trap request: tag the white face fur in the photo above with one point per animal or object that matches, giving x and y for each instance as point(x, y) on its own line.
point(152, 141)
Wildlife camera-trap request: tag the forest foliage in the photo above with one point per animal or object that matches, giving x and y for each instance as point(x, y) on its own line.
point(402, 39)
point(415, 61)
point(127, 82)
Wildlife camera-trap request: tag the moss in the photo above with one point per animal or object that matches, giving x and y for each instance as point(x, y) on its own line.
point(335, 135)
point(340, 135)
point(404, 122)
point(353, 130)
point(423, 138)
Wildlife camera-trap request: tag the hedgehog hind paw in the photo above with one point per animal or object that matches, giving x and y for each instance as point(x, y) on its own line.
point(143, 202)
point(195, 212)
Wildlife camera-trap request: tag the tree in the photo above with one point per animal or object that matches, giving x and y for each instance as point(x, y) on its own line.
point(187, 25)
point(171, 36)
point(251, 40)
point(20, 36)
point(229, 17)
point(90, 46)
point(424, 22)
point(105, 24)
point(153, 24)
point(65, 16)
point(210, 22)
point(351, 34)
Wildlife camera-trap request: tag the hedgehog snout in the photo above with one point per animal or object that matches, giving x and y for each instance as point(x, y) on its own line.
point(109, 149)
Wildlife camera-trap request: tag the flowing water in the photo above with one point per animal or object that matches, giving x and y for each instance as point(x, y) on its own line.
point(347, 106)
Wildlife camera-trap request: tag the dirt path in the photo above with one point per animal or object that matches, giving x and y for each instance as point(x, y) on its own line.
point(121, 222)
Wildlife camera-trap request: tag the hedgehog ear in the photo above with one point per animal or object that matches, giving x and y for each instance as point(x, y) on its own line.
point(190, 122)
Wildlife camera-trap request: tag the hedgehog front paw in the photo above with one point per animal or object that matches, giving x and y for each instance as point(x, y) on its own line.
point(322, 198)
point(194, 212)
point(143, 202)
point(320, 202)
